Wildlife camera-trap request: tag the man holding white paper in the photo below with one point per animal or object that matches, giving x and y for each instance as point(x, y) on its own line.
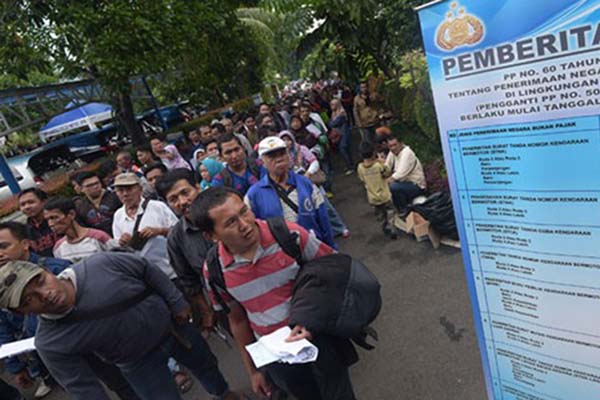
point(259, 278)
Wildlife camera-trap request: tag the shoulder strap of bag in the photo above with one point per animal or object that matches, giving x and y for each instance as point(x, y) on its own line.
point(285, 198)
point(286, 239)
point(216, 280)
point(139, 217)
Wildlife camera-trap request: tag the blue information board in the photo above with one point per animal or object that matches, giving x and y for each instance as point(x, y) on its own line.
point(517, 92)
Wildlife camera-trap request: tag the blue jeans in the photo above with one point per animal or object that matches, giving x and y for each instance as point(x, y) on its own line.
point(327, 169)
point(345, 149)
point(403, 193)
point(151, 378)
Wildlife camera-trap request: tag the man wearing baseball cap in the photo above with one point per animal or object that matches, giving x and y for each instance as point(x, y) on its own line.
point(120, 307)
point(284, 193)
point(14, 246)
point(143, 224)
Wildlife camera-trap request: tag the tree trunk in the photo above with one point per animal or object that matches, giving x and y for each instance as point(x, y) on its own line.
point(127, 116)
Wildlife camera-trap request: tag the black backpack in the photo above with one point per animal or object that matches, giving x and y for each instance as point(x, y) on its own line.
point(352, 293)
point(438, 210)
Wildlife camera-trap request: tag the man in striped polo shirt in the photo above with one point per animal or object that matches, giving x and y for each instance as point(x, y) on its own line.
point(260, 277)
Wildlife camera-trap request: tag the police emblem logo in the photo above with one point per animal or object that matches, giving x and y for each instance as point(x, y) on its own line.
point(459, 29)
point(308, 205)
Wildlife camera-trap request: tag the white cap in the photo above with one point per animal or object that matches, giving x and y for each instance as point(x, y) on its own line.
point(269, 144)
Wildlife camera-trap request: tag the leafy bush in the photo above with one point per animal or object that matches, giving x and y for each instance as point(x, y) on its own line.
point(415, 80)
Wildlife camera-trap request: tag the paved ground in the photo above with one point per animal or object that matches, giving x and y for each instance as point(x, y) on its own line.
point(427, 348)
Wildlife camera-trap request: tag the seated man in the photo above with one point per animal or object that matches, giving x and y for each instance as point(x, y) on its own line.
point(121, 308)
point(408, 179)
point(78, 242)
point(282, 192)
point(31, 203)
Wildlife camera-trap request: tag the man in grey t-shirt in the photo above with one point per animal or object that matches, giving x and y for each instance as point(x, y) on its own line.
point(120, 307)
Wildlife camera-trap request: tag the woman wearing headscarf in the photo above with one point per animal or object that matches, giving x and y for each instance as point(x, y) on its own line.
point(339, 120)
point(300, 133)
point(208, 169)
point(302, 160)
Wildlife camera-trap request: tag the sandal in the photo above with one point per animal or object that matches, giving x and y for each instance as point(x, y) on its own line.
point(183, 381)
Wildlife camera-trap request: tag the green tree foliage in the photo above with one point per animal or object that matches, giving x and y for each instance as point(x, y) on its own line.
point(277, 36)
point(199, 43)
point(222, 61)
point(364, 37)
point(371, 32)
point(414, 79)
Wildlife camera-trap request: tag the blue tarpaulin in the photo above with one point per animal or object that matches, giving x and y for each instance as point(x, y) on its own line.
point(86, 115)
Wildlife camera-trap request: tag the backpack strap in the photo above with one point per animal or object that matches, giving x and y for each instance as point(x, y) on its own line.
point(254, 167)
point(226, 176)
point(286, 239)
point(216, 280)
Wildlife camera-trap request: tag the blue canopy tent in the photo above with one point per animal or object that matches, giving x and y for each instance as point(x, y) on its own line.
point(86, 115)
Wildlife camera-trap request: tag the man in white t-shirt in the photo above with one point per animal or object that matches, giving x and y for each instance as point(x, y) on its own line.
point(408, 178)
point(156, 219)
point(78, 242)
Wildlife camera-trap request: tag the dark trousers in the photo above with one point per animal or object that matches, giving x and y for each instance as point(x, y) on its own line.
point(112, 377)
point(368, 134)
point(8, 392)
point(344, 147)
point(403, 193)
point(152, 379)
point(327, 378)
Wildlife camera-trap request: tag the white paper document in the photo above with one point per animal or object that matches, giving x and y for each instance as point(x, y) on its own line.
point(16, 348)
point(273, 347)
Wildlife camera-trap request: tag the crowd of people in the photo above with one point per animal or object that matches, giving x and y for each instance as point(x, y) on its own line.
point(111, 278)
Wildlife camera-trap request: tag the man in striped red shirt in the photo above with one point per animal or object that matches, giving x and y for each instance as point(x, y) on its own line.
point(259, 277)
